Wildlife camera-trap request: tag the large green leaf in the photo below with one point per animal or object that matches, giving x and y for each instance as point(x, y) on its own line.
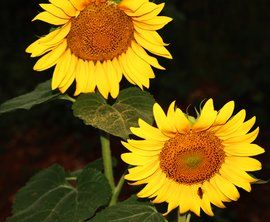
point(42, 93)
point(49, 197)
point(130, 105)
point(130, 210)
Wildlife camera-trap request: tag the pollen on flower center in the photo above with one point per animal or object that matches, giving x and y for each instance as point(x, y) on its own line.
point(192, 158)
point(100, 32)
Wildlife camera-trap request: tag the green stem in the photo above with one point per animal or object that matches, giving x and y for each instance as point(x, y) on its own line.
point(117, 190)
point(67, 97)
point(107, 158)
point(184, 217)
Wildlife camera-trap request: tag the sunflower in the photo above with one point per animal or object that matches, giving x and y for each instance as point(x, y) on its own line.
point(98, 41)
point(190, 163)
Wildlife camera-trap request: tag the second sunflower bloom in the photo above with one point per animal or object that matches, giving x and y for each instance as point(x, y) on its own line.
point(98, 41)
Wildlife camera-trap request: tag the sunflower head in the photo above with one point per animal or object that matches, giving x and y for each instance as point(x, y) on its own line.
point(190, 162)
point(98, 41)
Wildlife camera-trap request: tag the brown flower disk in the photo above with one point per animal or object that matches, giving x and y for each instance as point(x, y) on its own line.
point(100, 32)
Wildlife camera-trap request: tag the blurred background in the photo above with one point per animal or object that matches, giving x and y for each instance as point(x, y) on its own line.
point(221, 49)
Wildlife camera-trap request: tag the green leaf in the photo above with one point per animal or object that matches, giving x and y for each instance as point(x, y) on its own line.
point(130, 210)
point(49, 197)
point(130, 105)
point(42, 93)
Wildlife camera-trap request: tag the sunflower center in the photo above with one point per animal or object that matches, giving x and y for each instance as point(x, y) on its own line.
point(100, 32)
point(192, 158)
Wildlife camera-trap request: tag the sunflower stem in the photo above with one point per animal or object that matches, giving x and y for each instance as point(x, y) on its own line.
point(107, 159)
point(117, 190)
point(184, 217)
point(67, 97)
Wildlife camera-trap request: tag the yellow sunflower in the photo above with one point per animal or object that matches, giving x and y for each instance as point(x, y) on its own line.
point(190, 162)
point(98, 41)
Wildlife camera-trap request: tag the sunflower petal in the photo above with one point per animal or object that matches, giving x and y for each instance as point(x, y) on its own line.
point(244, 163)
point(155, 49)
point(54, 10)
point(207, 117)
point(50, 18)
point(143, 55)
point(66, 6)
point(51, 58)
point(226, 187)
point(244, 149)
point(102, 80)
point(224, 113)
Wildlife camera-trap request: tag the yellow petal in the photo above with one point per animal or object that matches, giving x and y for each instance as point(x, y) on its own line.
point(147, 153)
point(39, 49)
point(148, 11)
point(81, 74)
point(146, 131)
point(196, 202)
point(61, 34)
point(207, 117)
point(102, 80)
point(186, 201)
point(154, 184)
point(147, 144)
point(162, 193)
point(212, 194)
point(118, 69)
point(226, 187)
point(241, 130)
point(155, 49)
point(244, 163)
point(61, 69)
point(50, 18)
point(206, 206)
point(244, 149)
point(241, 173)
point(66, 6)
point(91, 81)
point(112, 78)
point(69, 73)
point(78, 4)
point(219, 194)
point(140, 65)
point(36, 44)
point(51, 58)
point(234, 178)
point(143, 55)
point(171, 116)
point(224, 113)
point(150, 36)
point(232, 125)
point(182, 124)
point(145, 8)
point(134, 159)
point(248, 138)
point(131, 4)
point(142, 172)
point(162, 122)
point(158, 20)
point(127, 72)
point(54, 10)
point(173, 198)
point(132, 61)
point(147, 26)
point(64, 88)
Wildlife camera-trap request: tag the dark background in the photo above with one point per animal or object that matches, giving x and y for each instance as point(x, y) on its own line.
point(221, 49)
